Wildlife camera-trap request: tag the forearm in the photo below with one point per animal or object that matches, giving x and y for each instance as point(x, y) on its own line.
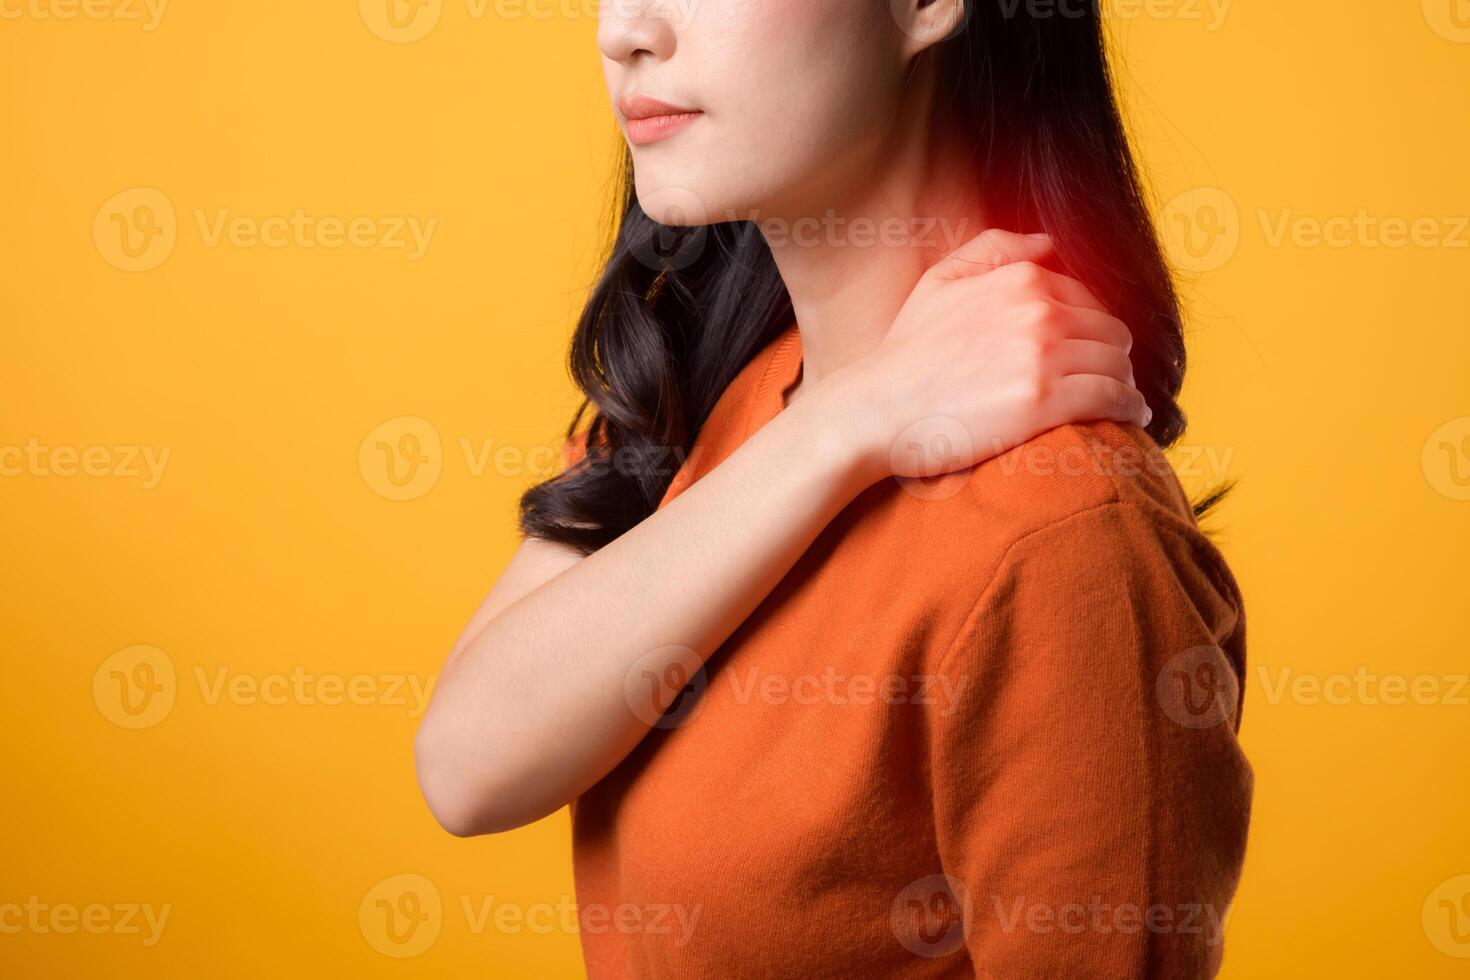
point(534, 709)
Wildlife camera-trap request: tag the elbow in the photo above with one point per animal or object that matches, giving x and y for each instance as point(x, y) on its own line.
point(456, 819)
point(465, 799)
point(453, 811)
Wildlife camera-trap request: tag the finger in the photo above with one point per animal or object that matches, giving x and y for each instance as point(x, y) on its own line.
point(990, 250)
point(1083, 323)
point(1090, 397)
point(1091, 357)
point(1042, 281)
point(1072, 292)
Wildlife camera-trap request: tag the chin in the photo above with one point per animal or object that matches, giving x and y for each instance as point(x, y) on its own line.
point(686, 197)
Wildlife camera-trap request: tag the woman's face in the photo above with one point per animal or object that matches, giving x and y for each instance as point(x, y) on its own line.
point(790, 100)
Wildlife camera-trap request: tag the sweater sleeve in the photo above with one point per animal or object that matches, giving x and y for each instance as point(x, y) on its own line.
point(1091, 798)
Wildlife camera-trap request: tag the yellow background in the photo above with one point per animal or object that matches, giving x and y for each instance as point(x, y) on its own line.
point(1322, 377)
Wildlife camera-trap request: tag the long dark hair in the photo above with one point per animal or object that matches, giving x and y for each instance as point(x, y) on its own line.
point(678, 313)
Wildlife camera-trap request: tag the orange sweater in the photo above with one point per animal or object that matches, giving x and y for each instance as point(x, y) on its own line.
point(986, 726)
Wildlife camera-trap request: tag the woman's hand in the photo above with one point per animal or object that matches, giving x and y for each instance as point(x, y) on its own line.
point(989, 351)
point(534, 705)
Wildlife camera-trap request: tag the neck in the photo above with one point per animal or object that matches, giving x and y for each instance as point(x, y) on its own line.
point(849, 268)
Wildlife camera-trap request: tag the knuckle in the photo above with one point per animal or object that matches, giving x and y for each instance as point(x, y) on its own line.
point(1034, 388)
point(1119, 335)
point(1037, 314)
point(1010, 274)
point(1028, 273)
point(1041, 385)
point(1036, 362)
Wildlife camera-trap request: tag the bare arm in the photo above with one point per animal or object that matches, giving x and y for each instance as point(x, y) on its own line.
point(533, 706)
point(531, 709)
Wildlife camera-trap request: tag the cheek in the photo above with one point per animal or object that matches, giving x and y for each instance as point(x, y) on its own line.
point(789, 86)
point(794, 73)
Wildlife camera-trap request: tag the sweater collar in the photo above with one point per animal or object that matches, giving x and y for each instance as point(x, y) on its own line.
point(782, 369)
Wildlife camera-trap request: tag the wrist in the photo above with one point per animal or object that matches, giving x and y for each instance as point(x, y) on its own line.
point(840, 427)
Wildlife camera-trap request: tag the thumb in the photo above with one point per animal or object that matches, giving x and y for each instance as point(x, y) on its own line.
point(991, 249)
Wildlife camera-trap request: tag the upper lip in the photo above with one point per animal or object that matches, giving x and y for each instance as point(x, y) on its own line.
point(647, 107)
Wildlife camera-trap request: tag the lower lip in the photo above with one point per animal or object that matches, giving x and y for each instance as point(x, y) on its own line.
point(644, 131)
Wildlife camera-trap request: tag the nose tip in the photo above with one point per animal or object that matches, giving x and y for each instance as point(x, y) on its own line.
point(627, 32)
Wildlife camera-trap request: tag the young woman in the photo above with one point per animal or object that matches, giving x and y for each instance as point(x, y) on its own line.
point(867, 631)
